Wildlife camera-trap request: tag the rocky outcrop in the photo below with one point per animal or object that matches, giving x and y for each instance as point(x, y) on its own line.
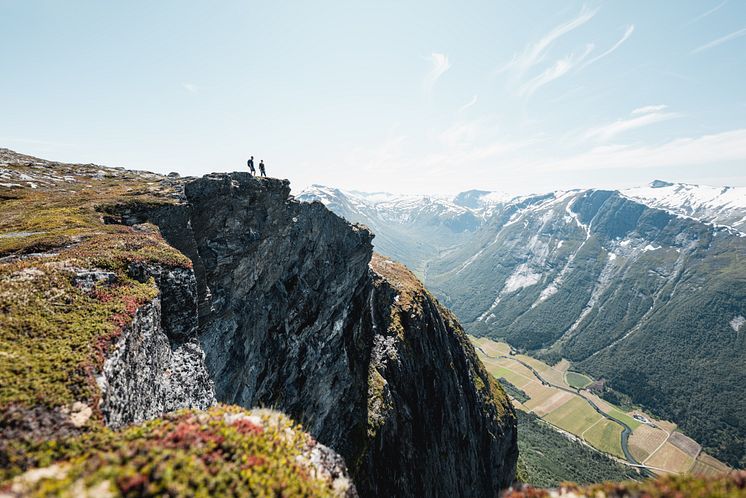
point(252, 299)
point(438, 424)
point(292, 316)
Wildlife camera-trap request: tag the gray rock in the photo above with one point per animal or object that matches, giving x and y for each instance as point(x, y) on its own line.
point(292, 317)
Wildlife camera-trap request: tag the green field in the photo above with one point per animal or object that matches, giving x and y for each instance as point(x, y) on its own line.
point(547, 458)
point(606, 436)
point(568, 411)
point(575, 416)
point(577, 380)
point(620, 415)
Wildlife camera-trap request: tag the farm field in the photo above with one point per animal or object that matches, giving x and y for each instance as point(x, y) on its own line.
point(606, 436)
point(557, 395)
point(577, 380)
point(707, 465)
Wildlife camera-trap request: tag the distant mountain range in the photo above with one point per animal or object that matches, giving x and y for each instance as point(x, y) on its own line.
point(412, 229)
point(645, 287)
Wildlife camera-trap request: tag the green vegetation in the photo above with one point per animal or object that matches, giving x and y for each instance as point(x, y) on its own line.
point(547, 458)
point(623, 417)
point(732, 486)
point(676, 284)
point(225, 451)
point(513, 391)
point(574, 416)
point(606, 436)
point(577, 380)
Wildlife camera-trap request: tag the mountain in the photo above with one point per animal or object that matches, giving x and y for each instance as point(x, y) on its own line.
point(645, 288)
point(717, 205)
point(127, 295)
point(409, 228)
point(650, 301)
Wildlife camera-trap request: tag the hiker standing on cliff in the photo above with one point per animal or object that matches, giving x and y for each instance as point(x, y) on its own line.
point(262, 171)
point(250, 162)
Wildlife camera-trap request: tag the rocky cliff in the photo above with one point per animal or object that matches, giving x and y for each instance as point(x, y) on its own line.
point(256, 300)
point(301, 320)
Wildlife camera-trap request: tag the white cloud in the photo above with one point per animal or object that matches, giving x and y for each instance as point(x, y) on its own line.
point(534, 53)
point(642, 116)
point(559, 69)
point(191, 88)
point(649, 108)
point(627, 34)
point(702, 16)
point(468, 104)
point(440, 65)
point(719, 41)
point(703, 150)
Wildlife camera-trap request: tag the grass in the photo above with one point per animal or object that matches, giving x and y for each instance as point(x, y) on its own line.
point(54, 334)
point(620, 415)
point(732, 486)
point(548, 458)
point(606, 436)
point(575, 416)
point(577, 380)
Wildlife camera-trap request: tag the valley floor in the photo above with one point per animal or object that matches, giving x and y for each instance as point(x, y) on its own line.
point(560, 398)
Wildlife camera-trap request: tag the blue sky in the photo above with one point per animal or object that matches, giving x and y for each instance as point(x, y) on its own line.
point(402, 96)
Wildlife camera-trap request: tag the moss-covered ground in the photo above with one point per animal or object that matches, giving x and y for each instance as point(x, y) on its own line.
point(55, 326)
point(224, 451)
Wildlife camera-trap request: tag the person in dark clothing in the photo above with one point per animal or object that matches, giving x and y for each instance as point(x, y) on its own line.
point(250, 162)
point(262, 171)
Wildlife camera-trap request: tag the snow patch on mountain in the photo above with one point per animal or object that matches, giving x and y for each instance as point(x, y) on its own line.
point(723, 206)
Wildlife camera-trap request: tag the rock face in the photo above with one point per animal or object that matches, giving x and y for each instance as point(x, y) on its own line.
point(291, 316)
point(157, 365)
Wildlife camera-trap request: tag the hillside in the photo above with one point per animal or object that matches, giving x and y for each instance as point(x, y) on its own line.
point(412, 229)
point(724, 206)
point(127, 295)
point(644, 288)
point(548, 458)
point(647, 300)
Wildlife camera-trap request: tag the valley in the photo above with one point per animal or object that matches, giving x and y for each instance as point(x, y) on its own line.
point(644, 287)
point(558, 397)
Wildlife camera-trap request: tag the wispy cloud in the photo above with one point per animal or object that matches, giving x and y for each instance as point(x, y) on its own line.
point(706, 149)
point(642, 116)
point(535, 52)
point(705, 14)
point(557, 70)
point(439, 65)
point(627, 34)
point(468, 104)
point(191, 88)
point(649, 108)
point(720, 41)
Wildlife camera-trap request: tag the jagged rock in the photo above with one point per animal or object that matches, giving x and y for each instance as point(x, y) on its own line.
point(157, 365)
point(276, 305)
point(294, 318)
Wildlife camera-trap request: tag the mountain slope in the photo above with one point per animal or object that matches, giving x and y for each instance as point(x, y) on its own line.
point(718, 205)
point(651, 301)
point(409, 228)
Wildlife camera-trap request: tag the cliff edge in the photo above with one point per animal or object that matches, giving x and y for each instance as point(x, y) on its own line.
point(127, 295)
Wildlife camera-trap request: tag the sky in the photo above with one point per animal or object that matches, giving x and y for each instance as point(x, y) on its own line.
point(394, 95)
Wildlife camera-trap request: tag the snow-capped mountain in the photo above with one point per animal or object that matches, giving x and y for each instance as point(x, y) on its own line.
point(717, 205)
point(645, 287)
point(410, 228)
